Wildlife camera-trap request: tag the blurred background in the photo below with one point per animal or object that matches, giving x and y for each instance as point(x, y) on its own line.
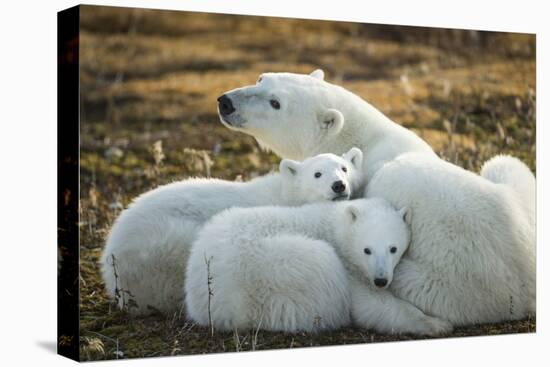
point(149, 83)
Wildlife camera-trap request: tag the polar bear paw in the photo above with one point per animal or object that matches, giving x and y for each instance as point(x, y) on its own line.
point(433, 326)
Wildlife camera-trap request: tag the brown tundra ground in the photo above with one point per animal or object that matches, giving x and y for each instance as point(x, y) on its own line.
point(149, 83)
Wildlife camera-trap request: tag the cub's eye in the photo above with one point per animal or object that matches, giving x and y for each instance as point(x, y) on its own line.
point(344, 169)
point(275, 104)
point(367, 251)
point(393, 249)
point(317, 174)
point(259, 80)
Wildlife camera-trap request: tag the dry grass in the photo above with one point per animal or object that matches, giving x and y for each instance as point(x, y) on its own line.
point(150, 76)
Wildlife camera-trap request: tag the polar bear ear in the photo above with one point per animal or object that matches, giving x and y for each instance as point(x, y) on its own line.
point(318, 74)
point(406, 213)
point(352, 212)
point(332, 121)
point(355, 157)
point(288, 167)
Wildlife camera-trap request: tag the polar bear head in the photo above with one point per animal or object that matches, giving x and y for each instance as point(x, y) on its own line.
point(376, 236)
point(291, 114)
point(322, 177)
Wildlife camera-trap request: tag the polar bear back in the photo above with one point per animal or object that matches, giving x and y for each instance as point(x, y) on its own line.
point(440, 192)
point(470, 240)
point(283, 282)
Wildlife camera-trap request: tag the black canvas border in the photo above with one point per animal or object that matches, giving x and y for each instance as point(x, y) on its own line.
point(68, 142)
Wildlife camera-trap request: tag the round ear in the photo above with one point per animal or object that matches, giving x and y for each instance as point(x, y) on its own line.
point(406, 214)
point(355, 157)
point(352, 212)
point(332, 121)
point(318, 74)
point(288, 167)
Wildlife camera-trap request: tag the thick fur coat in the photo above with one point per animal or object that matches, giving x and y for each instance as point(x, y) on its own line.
point(472, 255)
point(305, 268)
point(143, 263)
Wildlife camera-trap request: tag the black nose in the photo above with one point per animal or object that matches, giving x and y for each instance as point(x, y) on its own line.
point(225, 105)
point(338, 187)
point(380, 282)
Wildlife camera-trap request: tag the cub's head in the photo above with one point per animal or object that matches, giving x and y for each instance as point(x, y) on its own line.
point(323, 177)
point(376, 235)
point(288, 113)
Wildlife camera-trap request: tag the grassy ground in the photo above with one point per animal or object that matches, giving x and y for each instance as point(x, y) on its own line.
point(149, 83)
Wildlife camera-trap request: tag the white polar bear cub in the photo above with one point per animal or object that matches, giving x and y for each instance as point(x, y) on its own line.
point(149, 243)
point(289, 269)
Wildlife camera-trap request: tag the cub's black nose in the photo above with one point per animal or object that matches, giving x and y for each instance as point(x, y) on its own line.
point(338, 187)
point(225, 105)
point(380, 282)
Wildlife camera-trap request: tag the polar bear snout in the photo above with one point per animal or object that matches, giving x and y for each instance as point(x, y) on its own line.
point(225, 105)
point(341, 190)
point(338, 186)
point(380, 282)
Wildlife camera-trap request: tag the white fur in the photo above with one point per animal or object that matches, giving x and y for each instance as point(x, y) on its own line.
point(317, 117)
point(472, 257)
point(472, 254)
point(150, 240)
point(511, 172)
point(275, 268)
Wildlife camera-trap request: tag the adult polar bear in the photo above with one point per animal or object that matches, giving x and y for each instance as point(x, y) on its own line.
point(297, 116)
point(472, 256)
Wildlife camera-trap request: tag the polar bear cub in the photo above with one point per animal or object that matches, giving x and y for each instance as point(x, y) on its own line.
point(291, 269)
point(149, 242)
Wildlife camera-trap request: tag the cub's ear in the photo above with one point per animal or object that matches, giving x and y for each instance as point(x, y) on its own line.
point(406, 213)
point(332, 121)
point(355, 157)
point(318, 74)
point(288, 167)
point(352, 212)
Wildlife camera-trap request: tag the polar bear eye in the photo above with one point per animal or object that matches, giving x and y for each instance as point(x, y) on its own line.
point(275, 104)
point(259, 80)
point(367, 251)
point(317, 174)
point(344, 169)
point(393, 249)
